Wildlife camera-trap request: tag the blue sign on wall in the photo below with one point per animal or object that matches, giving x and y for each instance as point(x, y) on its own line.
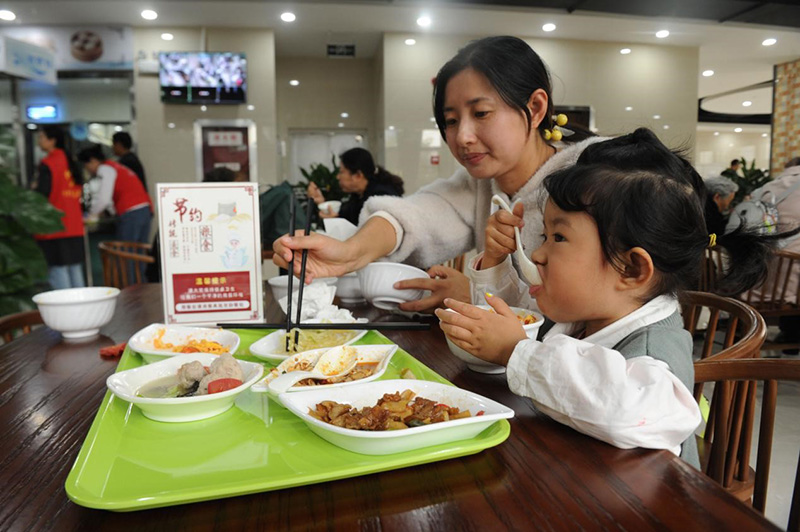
point(42, 112)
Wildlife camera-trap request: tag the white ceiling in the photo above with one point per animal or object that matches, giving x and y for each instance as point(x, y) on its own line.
point(732, 50)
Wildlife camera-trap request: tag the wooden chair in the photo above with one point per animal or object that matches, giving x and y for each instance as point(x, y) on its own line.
point(712, 268)
point(123, 262)
point(457, 262)
point(21, 321)
point(724, 447)
point(779, 295)
point(726, 374)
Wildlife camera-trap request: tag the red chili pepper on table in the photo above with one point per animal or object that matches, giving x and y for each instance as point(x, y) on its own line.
point(113, 351)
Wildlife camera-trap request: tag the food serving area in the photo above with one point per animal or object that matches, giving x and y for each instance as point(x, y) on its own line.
point(543, 476)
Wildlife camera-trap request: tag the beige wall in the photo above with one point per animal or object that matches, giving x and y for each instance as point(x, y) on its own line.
point(653, 80)
point(168, 154)
point(714, 153)
point(327, 88)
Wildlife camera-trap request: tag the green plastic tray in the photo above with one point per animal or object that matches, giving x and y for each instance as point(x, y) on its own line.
point(129, 462)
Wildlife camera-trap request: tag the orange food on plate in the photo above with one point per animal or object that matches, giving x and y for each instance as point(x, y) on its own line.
point(191, 346)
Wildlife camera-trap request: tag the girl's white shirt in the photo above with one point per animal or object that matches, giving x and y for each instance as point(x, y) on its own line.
point(591, 387)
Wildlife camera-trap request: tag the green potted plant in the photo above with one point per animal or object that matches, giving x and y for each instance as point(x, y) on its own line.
point(325, 178)
point(23, 270)
point(751, 178)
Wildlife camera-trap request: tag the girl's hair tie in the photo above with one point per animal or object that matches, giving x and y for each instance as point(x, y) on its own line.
point(712, 240)
point(559, 131)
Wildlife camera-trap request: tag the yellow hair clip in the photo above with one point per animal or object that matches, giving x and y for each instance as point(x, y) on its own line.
point(712, 240)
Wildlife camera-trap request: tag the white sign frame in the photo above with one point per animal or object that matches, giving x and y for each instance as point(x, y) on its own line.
point(239, 122)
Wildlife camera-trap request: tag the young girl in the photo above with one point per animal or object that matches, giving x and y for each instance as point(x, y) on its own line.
point(619, 245)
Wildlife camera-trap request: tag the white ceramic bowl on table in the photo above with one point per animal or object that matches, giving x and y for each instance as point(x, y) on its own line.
point(397, 441)
point(280, 285)
point(349, 289)
point(377, 283)
point(143, 342)
point(331, 205)
point(77, 312)
point(126, 385)
point(481, 366)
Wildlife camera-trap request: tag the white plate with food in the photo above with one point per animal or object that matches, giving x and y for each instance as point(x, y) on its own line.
point(405, 407)
point(186, 387)
point(272, 347)
point(159, 341)
point(372, 361)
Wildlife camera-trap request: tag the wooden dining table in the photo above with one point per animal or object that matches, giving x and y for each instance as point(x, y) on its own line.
point(545, 476)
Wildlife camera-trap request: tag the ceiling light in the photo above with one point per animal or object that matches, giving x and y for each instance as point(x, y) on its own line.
point(629, 108)
point(203, 108)
point(768, 42)
point(149, 14)
point(747, 103)
point(288, 17)
point(167, 36)
point(549, 27)
point(294, 83)
point(251, 107)
point(666, 126)
point(344, 115)
point(737, 130)
point(656, 117)
point(662, 34)
point(117, 128)
point(340, 124)
point(625, 51)
point(5, 14)
point(171, 125)
point(708, 73)
point(424, 21)
point(391, 128)
point(31, 126)
point(411, 42)
point(765, 135)
point(716, 133)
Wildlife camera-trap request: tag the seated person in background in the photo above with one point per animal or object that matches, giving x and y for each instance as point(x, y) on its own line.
point(121, 146)
point(360, 177)
point(719, 195)
point(121, 188)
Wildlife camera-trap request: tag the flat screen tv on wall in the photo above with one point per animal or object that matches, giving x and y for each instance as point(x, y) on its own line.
point(203, 77)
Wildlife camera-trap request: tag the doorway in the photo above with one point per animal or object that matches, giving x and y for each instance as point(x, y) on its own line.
point(319, 147)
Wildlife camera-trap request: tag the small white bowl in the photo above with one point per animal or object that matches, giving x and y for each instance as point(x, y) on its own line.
point(380, 354)
point(377, 283)
point(269, 347)
point(397, 441)
point(333, 205)
point(142, 341)
point(349, 289)
point(280, 285)
point(481, 366)
point(126, 384)
point(77, 312)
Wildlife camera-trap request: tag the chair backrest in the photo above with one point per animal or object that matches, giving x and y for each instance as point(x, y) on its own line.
point(712, 269)
point(21, 321)
point(123, 262)
point(725, 374)
point(457, 263)
point(779, 294)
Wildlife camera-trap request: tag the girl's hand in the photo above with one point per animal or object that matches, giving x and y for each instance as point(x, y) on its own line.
point(327, 257)
point(444, 283)
point(315, 193)
point(500, 241)
point(490, 336)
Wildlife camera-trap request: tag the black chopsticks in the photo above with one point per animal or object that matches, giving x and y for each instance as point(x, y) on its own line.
point(368, 326)
point(302, 277)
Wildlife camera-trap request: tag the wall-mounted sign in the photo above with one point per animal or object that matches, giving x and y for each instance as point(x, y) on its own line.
point(226, 143)
point(42, 112)
point(210, 252)
point(28, 61)
point(341, 50)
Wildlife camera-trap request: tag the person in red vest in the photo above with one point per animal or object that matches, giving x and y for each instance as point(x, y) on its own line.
point(60, 180)
point(121, 188)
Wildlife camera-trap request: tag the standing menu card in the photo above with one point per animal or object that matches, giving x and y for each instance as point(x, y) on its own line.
point(210, 252)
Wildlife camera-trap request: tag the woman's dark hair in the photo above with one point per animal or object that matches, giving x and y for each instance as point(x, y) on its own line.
point(95, 151)
point(219, 175)
point(512, 68)
point(360, 160)
point(56, 133)
point(655, 204)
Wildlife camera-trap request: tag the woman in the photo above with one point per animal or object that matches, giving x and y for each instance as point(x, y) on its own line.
point(59, 180)
point(493, 106)
point(360, 177)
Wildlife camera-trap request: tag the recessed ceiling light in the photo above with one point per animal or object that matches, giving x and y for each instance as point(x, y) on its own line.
point(629, 108)
point(737, 130)
point(31, 126)
point(747, 103)
point(656, 117)
point(117, 128)
point(149, 14)
point(424, 21)
point(171, 125)
point(288, 17)
point(203, 108)
point(549, 27)
point(294, 83)
point(768, 42)
point(167, 36)
point(708, 73)
point(662, 34)
point(391, 128)
point(716, 133)
point(340, 124)
point(411, 42)
point(666, 126)
point(251, 107)
point(5, 14)
point(344, 115)
point(625, 51)
point(765, 135)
